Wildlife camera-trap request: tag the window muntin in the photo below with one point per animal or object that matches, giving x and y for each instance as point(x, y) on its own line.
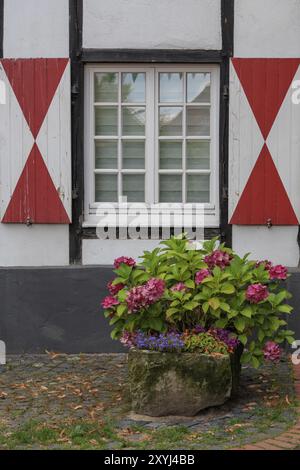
point(152, 135)
point(119, 136)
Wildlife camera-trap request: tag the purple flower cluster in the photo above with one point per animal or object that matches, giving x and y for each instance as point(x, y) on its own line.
point(199, 329)
point(142, 296)
point(164, 342)
point(218, 258)
point(272, 351)
point(226, 337)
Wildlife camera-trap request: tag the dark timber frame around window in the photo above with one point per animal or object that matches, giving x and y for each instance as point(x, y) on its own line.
point(1, 26)
point(80, 56)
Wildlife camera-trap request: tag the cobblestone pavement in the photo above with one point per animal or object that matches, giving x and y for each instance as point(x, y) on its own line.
point(68, 388)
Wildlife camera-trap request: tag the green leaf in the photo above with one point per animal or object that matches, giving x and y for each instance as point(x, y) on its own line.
point(260, 335)
point(156, 324)
point(243, 339)
point(122, 294)
point(225, 307)
point(171, 311)
point(121, 309)
point(247, 312)
point(221, 323)
point(205, 307)
point(240, 323)
point(290, 339)
point(190, 305)
point(285, 308)
point(255, 362)
point(227, 288)
point(214, 303)
point(190, 283)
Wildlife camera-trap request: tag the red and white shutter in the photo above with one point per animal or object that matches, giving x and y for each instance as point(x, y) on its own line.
point(35, 171)
point(264, 142)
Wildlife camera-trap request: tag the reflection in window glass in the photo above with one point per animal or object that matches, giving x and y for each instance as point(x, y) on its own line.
point(106, 87)
point(198, 87)
point(170, 120)
point(133, 87)
point(171, 87)
point(133, 121)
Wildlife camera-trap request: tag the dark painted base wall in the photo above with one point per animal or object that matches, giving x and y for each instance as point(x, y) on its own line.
point(58, 309)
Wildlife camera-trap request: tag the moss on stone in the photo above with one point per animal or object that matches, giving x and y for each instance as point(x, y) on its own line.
point(178, 383)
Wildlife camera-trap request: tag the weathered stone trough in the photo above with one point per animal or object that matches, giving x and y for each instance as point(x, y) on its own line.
point(181, 384)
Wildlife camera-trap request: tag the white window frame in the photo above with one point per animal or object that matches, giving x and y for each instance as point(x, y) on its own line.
point(211, 209)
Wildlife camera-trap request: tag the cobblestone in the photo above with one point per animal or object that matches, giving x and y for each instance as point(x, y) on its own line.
point(57, 387)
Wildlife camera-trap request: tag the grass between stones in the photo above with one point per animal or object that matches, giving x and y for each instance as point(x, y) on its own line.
point(107, 435)
point(81, 402)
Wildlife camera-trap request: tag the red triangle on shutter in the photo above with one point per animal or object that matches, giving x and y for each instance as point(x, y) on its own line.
point(35, 198)
point(264, 197)
point(266, 83)
point(34, 82)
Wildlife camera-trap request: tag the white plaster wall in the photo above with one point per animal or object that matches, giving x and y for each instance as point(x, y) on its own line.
point(104, 252)
point(153, 24)
point(36, 28)
point(278, 244)
point(38, 245)
point(267, 28)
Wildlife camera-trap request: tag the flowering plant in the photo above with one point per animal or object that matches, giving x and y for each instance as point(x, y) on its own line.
point(179, 298)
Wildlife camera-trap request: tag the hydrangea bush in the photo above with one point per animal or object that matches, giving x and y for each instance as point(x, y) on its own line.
point(180, 298)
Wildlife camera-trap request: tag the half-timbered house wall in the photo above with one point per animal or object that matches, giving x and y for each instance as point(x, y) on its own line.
point(47, 48)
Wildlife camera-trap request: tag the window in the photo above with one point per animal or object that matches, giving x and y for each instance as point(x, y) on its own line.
point(151, 135)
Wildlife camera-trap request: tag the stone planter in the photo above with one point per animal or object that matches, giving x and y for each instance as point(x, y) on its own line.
point(181, 384)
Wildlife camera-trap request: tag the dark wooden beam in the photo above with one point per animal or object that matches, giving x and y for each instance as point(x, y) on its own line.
point(227, 21)
point(77, 116)
point(1, 26)
point(151, 56)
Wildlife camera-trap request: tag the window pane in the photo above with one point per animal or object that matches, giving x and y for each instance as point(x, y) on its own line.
point(133, 87)
point(198, 121)
point(170, 188)
point(198, 188)
point(170, 155)
point(170, 121)
point(106, 121)
point(170, 87)
point(133, 154)
point(197, 154)
point(106, 87)
point(106, 188)
point(134, 188)
point(198, 87)
point(106, 154)
point(134, 121)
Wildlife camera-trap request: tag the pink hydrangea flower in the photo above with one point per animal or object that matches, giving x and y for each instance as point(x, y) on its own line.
point(114, 288)
point(142, 296)
point(124, 260)
point(109, 302)
point(268, 264)
point(180, 286)
point(128, 339)
point(278, 272)
point(256, 293)
point(201, 275)
point(272, 351)
point(218, 258)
